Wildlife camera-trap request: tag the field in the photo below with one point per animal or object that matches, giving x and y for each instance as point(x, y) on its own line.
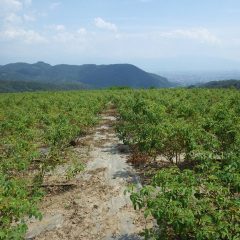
point(184, 145)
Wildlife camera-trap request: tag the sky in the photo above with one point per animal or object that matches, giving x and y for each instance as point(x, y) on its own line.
point(157, 35)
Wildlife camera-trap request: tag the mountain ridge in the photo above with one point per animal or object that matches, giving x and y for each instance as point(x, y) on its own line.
point(231, 83)
point(87, 75)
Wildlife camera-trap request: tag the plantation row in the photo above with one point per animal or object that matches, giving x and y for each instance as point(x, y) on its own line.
point(193, 136)
point(35, 132)
point(196, 135)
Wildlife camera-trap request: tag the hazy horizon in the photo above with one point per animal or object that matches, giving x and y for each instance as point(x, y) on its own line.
point(152, 34)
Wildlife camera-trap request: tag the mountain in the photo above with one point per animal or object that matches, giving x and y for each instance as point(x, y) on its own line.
point(84, 76)
point(186, 78)
point(220, 84)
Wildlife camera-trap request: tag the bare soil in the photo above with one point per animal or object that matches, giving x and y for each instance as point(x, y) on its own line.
point(95, 206)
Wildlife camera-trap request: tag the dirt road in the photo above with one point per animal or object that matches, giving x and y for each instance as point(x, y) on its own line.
point(96, 208)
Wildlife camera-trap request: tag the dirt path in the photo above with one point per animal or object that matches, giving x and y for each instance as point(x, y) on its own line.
point(96, 208)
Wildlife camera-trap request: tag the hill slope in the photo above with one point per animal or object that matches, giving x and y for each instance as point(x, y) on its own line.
point(30, 86)
point(219, 84)
point(88, 75)
point(222, 84)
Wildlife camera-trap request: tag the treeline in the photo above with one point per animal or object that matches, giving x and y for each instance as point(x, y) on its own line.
point(219, 84)
point(24, 86)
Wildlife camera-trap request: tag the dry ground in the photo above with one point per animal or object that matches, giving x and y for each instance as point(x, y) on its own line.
point(95, 206)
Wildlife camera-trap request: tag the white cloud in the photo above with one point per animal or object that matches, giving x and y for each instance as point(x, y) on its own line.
point(10, 6)
point(29, 18)
point(198, 34)
point(55, 5)
point(13, 16)
point(62, 35)
point(12, 12)
point(12, 19)
point(82, 31)
point(27, 2)
point(58, 27)
point(27, 36)
point(102, 24)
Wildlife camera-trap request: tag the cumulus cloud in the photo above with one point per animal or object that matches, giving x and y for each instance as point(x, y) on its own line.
point(13, 17)
point(16, 27)
point(10, 6)
point(102, 24)
point(82, 31)
point(27, 36)
point(12, 12)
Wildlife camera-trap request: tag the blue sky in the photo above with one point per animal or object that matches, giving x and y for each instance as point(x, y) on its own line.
point(156, 35)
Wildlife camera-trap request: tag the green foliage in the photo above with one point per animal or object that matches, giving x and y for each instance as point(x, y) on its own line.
point(31, 86)
point(119, 88)
point(222, 84)
point(74, 169)
point(35, 131)
point(197, 131)
point(19, 77)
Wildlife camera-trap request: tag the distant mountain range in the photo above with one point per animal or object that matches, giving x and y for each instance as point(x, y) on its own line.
point(186, 78)
point(221, 84)
point(16, 77)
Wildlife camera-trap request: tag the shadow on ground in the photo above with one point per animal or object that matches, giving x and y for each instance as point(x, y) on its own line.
point(117, 149)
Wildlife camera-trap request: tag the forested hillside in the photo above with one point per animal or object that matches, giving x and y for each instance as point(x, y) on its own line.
point(42, 76)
